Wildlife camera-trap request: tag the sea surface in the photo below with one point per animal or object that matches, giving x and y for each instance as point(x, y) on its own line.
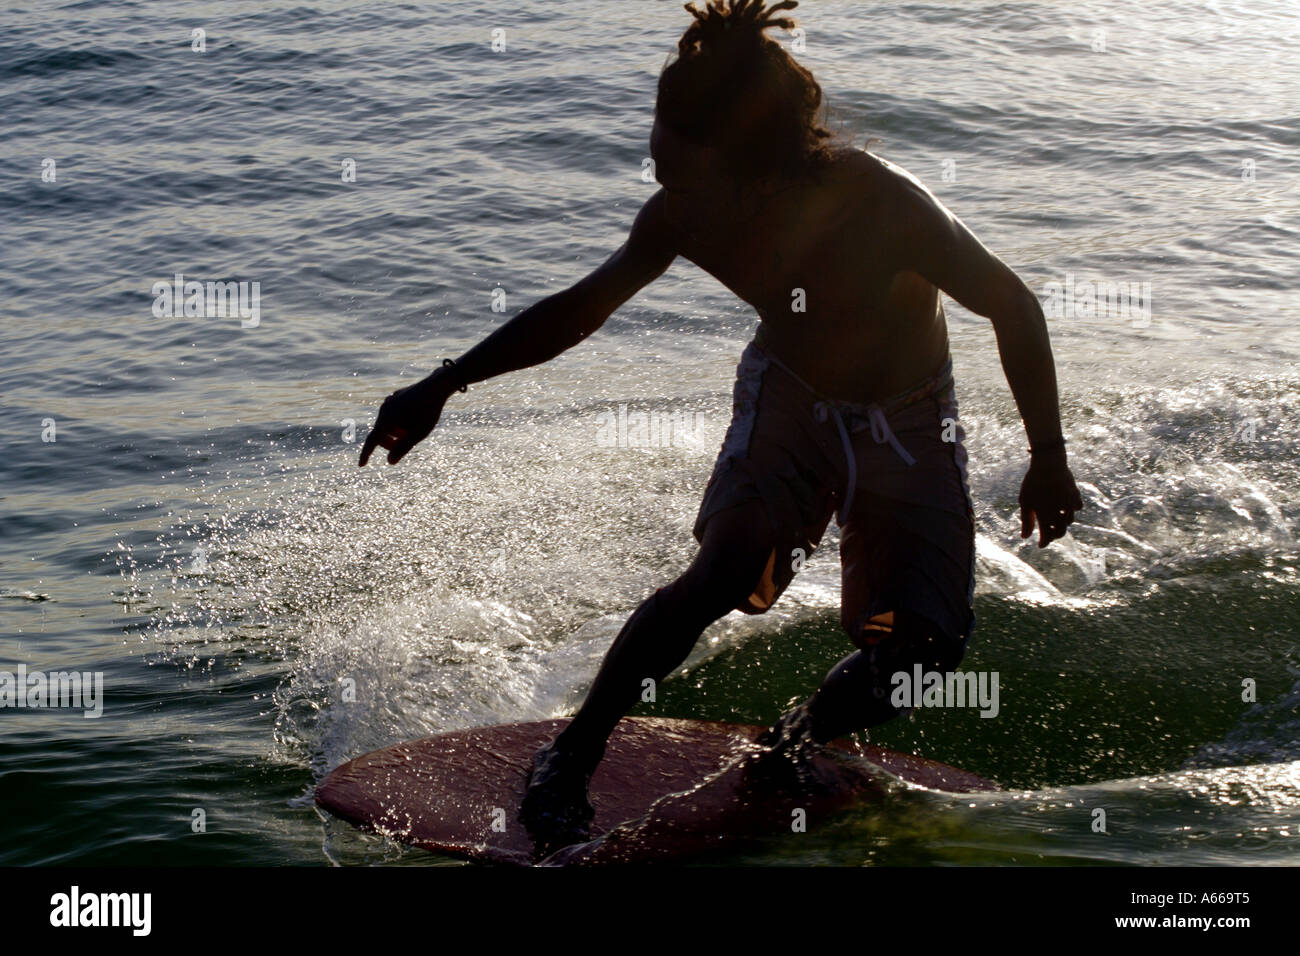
point(181, 511)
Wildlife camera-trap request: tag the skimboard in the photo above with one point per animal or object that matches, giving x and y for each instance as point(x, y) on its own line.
point(666, 789)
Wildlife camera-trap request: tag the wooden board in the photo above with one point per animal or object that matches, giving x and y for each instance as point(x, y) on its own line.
point(666, 788)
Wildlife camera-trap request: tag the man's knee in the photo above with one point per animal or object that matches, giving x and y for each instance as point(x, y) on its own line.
point(865, 630)
point(905, 634)
point(903, 638)
point(710, 590)
point(858, 692)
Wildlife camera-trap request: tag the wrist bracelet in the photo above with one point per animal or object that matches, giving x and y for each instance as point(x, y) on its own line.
point(448, 363)
point(1048, 447)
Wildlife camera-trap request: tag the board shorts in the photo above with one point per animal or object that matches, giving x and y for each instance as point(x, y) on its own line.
point(893, 473)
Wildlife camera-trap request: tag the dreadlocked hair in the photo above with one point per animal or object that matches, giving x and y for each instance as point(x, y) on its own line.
point(732, 87)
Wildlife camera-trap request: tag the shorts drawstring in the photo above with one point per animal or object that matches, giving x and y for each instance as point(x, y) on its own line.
point(824, 408)
point(880, 433)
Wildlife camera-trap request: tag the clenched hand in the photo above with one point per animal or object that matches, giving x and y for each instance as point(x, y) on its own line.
point(1049, 495)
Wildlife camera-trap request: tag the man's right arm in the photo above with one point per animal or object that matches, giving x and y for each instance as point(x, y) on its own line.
point(536, 335)
point(561, 321)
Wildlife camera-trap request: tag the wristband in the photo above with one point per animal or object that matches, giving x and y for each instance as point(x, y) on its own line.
point(1048, 447)
point(448, 363)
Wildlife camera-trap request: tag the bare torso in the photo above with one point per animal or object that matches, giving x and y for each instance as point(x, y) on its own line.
point(867, 330)
point(868, 245)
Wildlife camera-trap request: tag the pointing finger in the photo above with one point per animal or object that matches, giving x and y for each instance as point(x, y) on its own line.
point(371, 441)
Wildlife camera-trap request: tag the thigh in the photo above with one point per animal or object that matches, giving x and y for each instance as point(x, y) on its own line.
point(736, 552)
point(906, 559)
point(759, 539)
point(772, 488)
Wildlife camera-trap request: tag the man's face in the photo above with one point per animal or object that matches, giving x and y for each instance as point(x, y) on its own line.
point(685, 169)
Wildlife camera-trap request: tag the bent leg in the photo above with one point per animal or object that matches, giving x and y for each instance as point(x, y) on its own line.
point(907, 588)
point(856, 693)
point(659, 635)
point(656, 639)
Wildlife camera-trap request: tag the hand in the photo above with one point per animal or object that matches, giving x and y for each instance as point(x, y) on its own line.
point(407, 416)
point(1049, 495)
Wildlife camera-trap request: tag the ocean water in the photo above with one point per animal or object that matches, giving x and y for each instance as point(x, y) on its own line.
point(197, 530)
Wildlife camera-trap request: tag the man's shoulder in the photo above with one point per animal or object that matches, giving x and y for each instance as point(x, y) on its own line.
point(873, 185)
point(890, 180)
point(651, 244)
point(897, 199)
point(652, 229)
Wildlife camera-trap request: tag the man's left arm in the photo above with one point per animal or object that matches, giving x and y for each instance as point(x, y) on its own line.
point(937, 245)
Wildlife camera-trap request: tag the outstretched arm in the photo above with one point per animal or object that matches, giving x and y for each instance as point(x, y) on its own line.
point(536, 335)
point(938, 246)
point(561, 321)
